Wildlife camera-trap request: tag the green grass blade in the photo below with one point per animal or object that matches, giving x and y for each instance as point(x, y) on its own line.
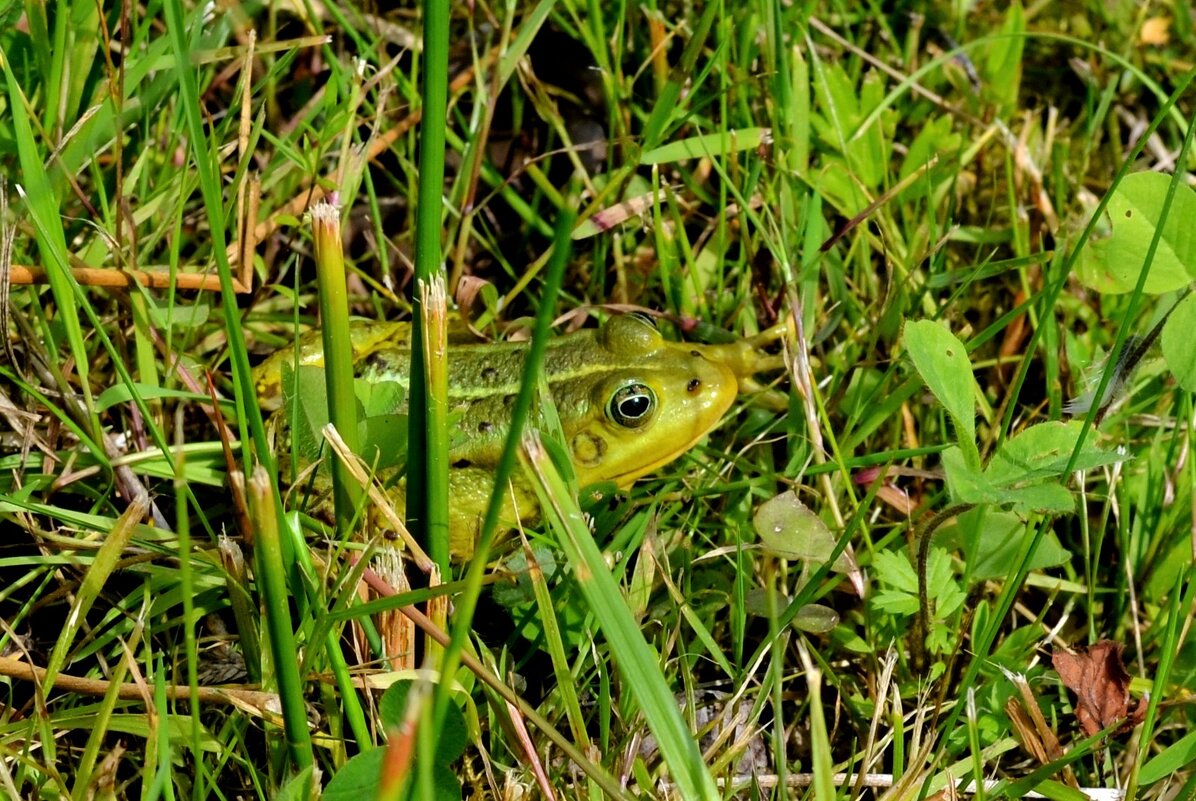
point(51, 240)
point(101, 568)
point(248, 415)
point(468, 600)
point(638, 661)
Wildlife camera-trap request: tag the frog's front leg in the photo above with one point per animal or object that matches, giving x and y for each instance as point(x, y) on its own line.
point(469, 496)
point(749, 358)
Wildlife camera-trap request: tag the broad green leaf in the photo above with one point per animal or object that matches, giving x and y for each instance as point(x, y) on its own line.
point(867, 152)
point(811, 618)
point(899, 579)
point(894, 569)
point(298, 787)
point(393, 709)
point(518, 590)
point(942, 361)
point(1178, 342)
point(714, 144)
point(1169, 564)
point(816, 619)
point(841, 112)
point(789, 530)
point(358, 780)
point(991, 539)
point(379, 397)
point(1043, 451)
point(383, 440)
point(1050, 496)
point(1113, 264)
point(838, 107)
point(834, 181)
point(966, 483)
point(307, 408)
point(970, 486)
point(896, 603)
point(180, 316)
point(382, 422)
point(360, 776)
point(941, 586)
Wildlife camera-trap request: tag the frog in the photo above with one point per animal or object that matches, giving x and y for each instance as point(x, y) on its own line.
point(629, 402)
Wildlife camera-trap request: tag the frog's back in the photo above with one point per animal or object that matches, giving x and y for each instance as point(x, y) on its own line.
point(366, 337)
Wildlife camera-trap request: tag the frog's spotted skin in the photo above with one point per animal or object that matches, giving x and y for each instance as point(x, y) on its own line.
point(629, 401)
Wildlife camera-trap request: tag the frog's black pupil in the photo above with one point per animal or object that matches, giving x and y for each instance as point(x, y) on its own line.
point(693, 384)
point(632, 405)
point(635, 407)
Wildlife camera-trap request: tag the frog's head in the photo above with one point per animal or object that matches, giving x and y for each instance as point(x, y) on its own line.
point(650, 402)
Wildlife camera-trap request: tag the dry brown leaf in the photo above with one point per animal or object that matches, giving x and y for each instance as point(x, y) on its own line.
point(1098, 677)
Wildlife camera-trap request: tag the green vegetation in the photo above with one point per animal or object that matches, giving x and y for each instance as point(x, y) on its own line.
point(977, 224)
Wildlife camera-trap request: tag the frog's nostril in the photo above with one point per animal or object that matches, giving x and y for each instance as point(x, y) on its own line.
point(694, 384)
point(697, 354)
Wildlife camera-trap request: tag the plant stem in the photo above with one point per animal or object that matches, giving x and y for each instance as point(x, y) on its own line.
point(338, 355)
point(284, 651)
point(427, 470)
point(918, 645)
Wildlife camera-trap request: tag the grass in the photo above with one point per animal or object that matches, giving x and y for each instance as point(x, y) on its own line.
point(725, 165)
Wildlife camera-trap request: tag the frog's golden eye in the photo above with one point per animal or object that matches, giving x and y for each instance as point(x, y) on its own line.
point(632, 405)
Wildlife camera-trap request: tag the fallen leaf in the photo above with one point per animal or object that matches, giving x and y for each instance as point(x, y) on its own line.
point(1098, 677)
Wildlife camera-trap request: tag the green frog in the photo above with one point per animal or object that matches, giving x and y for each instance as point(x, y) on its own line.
point(629, 401)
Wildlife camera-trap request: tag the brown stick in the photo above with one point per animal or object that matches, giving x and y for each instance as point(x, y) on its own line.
point(94, 276)
point(245, 699)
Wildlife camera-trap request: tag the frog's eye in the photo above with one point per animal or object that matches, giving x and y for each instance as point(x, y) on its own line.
point(631, 406)
point(630, 336)
point(646, 319)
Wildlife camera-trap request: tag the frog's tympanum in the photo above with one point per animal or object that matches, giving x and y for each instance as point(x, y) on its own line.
point(629, 402)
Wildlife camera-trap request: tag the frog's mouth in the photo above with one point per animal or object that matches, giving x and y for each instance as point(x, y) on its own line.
point(628, 478)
